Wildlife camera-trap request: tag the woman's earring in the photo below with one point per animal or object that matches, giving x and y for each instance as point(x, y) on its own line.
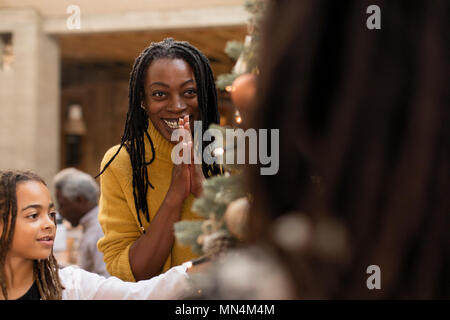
point(144, 109)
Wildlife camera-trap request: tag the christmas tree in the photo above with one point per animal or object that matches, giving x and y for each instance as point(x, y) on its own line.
point(225, 203)
point(224, 207)
point(244, 53)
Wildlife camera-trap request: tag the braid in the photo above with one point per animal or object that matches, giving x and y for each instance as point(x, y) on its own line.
point(47, 279)
point(5, 240)
point(205, 80)
point(46, 271)
point(136, 123)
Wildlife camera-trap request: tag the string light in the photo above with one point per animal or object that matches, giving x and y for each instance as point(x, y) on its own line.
point(237, 117)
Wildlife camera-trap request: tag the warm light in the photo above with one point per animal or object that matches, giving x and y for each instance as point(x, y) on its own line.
point(6, 52)
point(229, 88)
point(75, 124)
point(237, 117)
point(8, 57)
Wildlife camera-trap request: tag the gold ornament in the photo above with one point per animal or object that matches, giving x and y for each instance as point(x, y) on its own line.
point(243, 92)
point(236, 217)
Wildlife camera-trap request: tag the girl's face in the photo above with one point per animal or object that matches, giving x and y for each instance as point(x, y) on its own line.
point(35, 227)
point(170, 94)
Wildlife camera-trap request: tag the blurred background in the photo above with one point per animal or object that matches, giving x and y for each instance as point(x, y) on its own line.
point(64, 89)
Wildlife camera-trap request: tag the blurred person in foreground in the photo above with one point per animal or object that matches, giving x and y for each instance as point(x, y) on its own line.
point(77, 196)
point(364, 156)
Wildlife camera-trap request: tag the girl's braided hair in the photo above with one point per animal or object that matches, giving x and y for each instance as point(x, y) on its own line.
point(45, 271)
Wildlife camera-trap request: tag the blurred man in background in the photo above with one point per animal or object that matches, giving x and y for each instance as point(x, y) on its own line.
point(77, 198)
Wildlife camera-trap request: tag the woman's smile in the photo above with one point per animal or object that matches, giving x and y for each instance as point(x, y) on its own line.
point(172, 124)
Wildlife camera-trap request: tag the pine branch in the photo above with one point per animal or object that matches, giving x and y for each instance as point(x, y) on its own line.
point(234, 49)
point(187, 233)
point(225, 80)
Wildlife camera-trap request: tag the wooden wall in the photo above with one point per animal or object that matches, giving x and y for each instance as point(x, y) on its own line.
point(104, 111)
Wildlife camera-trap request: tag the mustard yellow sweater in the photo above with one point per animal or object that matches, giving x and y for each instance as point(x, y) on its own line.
point(117, 213)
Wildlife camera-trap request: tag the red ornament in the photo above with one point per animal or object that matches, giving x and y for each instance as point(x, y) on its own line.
point(243, 91)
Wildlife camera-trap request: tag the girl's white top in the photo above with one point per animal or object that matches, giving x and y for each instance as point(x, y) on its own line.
point(82, 285)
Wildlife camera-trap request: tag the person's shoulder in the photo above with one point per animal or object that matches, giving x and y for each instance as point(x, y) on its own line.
point(111, 152)
point(119, 167)
point(121, 157)
point(72, 272)
point(66, 273)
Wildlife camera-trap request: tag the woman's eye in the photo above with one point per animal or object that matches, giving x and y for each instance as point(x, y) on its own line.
point(191, 92)
point(158, 94)
point(52, 214)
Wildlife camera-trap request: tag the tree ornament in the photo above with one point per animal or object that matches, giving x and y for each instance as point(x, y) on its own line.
point(216, 243)
point(243, 91)
point(236, 217)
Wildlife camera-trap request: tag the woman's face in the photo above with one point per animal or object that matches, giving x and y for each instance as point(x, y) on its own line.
point(35, 227)
point(170, 94)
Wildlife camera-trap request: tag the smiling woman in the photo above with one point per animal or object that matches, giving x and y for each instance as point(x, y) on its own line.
point(143, 193)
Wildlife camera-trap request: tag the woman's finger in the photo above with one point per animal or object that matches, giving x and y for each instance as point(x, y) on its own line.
point(180, 126)
point(191, 151)
point(187, 127)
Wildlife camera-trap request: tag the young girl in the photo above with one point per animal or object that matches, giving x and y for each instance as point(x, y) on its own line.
point(28, 269)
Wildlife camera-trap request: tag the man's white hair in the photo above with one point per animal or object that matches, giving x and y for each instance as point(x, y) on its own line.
point(73, 183)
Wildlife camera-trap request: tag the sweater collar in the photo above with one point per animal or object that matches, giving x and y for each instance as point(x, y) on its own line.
point(163, 148)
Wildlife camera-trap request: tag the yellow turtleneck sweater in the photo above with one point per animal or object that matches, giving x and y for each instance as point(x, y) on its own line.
point(117, 214)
